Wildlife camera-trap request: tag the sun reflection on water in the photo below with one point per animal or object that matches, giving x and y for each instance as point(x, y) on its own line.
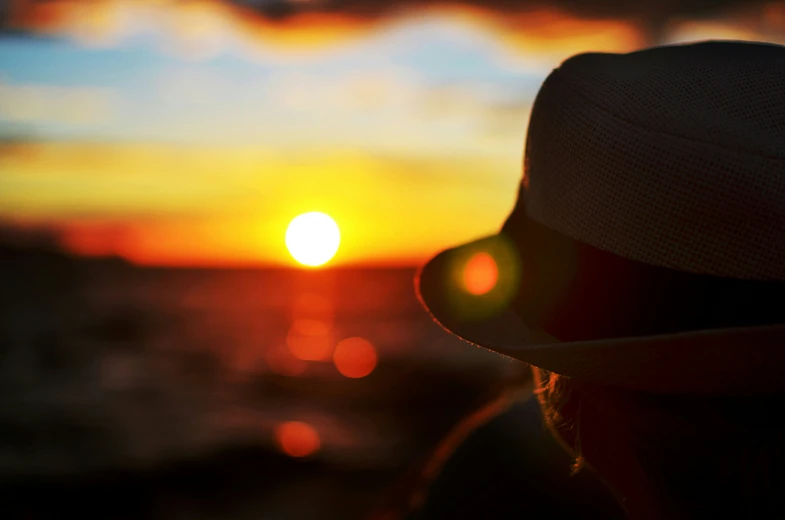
point(310, 340)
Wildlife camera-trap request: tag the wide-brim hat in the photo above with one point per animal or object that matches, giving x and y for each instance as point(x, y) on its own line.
point(646, 249)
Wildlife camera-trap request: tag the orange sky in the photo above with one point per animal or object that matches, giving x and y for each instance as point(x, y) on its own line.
point(389, 210)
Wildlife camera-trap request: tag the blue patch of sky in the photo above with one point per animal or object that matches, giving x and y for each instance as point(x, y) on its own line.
point(437, 54)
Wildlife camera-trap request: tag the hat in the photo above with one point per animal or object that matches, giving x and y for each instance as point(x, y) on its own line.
point(649, 232)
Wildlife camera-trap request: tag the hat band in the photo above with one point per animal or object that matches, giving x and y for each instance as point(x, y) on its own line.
point(577, 292)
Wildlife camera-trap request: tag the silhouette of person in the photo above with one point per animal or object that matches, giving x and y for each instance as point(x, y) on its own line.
point(642, 274)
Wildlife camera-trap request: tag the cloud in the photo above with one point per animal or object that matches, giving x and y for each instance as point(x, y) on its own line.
point(381, 107)
point(60, 105)
point(200, 25)
point(421, 82)
point(359, 92)
point(537, 33)
point(763, 24)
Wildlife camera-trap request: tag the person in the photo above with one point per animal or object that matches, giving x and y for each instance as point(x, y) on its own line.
point(641, 275)
point(498, 462)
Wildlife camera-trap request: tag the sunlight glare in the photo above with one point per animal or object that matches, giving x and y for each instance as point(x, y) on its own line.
point(313, 238)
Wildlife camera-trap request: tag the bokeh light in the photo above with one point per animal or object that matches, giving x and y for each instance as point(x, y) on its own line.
point(310, 340)
point(313, 238)
point(480, 274)
point(355, 357)
point(297, 439)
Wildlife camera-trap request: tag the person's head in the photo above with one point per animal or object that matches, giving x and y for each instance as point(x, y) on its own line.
point(649, 238)
point(668, 456)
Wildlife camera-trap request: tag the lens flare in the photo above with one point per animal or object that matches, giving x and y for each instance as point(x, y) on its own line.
point(313, 238)
point(480, 274)
point(297, 439)
point(483, 278)
point(355, 357)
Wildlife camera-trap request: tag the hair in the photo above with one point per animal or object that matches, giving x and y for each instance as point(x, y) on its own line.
point(702, 455)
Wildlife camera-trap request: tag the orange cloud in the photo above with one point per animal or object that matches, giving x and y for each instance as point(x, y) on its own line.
point(194, 24)
point(45, 17)
point(539, 33)
point(764, 22)
point(541, 37)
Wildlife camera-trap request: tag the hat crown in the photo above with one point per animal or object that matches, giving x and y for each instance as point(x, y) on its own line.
point(724, 93)
point(673, 156)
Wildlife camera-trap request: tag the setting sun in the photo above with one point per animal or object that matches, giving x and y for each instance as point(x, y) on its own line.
point(313, 238)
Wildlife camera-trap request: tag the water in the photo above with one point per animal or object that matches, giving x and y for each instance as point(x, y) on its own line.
point(135, 383)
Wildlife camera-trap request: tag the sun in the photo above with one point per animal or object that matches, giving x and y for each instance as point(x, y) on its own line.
point(313, 238)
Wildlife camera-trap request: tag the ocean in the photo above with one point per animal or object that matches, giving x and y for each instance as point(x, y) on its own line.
point(194, 393)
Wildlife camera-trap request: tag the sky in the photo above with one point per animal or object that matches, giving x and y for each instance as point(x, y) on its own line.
point(191, 133)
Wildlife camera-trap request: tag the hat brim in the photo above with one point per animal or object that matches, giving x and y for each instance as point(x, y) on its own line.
point(712, 362)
